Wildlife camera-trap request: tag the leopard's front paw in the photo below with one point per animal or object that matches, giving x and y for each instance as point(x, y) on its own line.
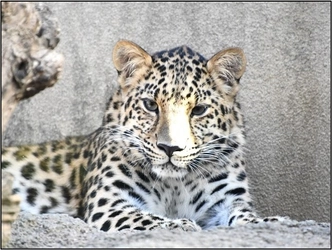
point(257, 220)
point(274, 219)
point(184, 224)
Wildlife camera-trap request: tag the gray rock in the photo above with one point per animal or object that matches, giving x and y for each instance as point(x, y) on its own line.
point(63, 231)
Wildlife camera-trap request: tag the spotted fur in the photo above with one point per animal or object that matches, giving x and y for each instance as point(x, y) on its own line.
point(169, 153)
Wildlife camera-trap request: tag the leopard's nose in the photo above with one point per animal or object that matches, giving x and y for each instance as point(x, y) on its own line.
point(169, 150)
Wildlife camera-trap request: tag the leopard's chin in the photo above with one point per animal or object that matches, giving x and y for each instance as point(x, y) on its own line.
point(169, 170)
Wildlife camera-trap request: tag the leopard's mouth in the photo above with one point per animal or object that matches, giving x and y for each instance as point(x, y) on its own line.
point(170, 170)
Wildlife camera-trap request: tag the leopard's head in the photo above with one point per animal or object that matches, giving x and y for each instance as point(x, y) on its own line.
point(181, 107)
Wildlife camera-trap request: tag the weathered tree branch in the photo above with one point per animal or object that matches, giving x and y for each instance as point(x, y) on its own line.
point(29, 65)
point(29, 62)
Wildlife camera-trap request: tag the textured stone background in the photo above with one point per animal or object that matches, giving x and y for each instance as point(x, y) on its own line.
point(285, 91)
point(61, 230)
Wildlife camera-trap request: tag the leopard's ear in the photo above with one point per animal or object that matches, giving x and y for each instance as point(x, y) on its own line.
point(226, 68)
point(129, 59)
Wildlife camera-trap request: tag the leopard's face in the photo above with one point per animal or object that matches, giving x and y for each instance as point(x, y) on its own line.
point(181, 108)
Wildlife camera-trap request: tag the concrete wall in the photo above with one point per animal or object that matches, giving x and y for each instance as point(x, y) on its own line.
point(285, 91)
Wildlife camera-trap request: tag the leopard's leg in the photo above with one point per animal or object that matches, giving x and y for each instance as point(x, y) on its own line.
point(233, 204)
point(233, 212)
point(132, 218)
point(244, 213)
point(112, 208)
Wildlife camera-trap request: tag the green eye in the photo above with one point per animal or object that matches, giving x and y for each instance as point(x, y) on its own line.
point(199, 110)
point(150, 105)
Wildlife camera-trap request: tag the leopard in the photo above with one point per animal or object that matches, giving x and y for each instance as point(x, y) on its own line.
point(169, 152)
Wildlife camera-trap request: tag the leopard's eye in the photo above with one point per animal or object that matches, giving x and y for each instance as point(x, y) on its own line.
point(150, 105)
point(199, 110)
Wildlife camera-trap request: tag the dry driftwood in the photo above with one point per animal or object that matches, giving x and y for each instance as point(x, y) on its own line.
point(29, 62)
